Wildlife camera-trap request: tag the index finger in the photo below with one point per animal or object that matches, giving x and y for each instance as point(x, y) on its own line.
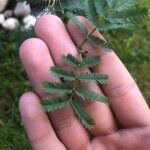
point(127, 101)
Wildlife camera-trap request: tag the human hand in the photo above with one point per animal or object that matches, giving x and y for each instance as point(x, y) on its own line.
point(60, 130)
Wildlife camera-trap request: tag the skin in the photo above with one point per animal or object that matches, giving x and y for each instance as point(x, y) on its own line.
point(124, 125)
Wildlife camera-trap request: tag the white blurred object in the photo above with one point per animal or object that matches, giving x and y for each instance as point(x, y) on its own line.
point(8, 13)
point(3, 4)
point(10, 24)
point(22, 9)
point(2, 18)
point(29, 21)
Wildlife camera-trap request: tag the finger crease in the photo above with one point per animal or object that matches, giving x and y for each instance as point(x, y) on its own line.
point(41, 138)
point(121, 90)
point(65, 123)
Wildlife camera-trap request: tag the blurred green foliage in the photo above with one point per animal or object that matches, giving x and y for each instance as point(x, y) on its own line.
point(13, 82)
point(132, 47)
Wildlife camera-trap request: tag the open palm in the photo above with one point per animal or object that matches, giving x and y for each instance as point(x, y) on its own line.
point(125, 125)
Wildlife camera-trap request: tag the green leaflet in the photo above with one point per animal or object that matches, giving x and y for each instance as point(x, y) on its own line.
point(90, 11)
point(77, 22)
point(88, 94)
point(90, 61)
point(120, 4)
point(56, 87)
point(86, 77)
point(83, 115)
point(110, 26)
point(100, 43)
point(71, 60)
point(101, 7)
point(128, 16)
point(93, 77)
point(54, 103)
point(111, 3)
point(61, 73)
point(74, 6)
point(86, 62)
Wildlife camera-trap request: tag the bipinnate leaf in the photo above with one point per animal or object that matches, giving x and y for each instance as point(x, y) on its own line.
point(65, 74)
point(94, 96)
point(90, 61)
point(71, 60)
point(82, 114)
point(93, 77)
point(53, 103)
point(56, 87)
point(100, 43)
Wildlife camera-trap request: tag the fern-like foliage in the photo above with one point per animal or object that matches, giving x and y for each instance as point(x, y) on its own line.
point(70, 91)
point(104, 15)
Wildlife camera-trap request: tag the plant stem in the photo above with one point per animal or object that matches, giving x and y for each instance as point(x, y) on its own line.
point(81, 45)
point(81, 52)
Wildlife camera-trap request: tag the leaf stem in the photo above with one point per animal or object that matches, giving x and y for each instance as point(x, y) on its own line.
point(81, 53)
point(81, 45)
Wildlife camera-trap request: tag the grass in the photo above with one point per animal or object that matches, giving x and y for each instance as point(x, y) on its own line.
point(12, 83)
point(132, 48)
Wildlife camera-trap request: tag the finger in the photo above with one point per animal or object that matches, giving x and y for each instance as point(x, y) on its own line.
point(61, 44)
point(127, 101)
point(37, 61)
point(38, 128)
point(125, 139)
point(102, 114)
